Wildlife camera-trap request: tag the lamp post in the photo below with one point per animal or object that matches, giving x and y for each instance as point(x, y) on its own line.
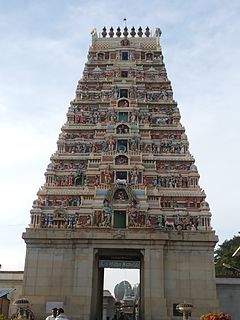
point(185, 308)
point(23, 309)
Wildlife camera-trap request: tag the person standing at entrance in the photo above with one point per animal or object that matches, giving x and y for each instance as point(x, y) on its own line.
point(53, 315)
point(61, 315)
point(121, 317)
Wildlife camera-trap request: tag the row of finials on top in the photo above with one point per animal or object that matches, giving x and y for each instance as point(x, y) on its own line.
point(132, 33)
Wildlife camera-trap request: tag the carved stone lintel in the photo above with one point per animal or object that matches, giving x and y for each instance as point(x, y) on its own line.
point(119, 234)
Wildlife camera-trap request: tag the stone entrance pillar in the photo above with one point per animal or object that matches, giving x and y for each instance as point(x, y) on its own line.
point(154, 303)
point(97, 289)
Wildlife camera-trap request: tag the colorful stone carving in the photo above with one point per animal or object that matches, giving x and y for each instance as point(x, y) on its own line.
point(123, 142)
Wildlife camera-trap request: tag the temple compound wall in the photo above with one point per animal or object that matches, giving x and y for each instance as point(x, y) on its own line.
point(228, 291)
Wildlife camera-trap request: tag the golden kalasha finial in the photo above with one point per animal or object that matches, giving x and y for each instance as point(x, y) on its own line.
point(140, 33)
point(133, 32)
point(118, 33)
point(125, 32)
point(111, 33)
point(104, 32)
point(147, 32)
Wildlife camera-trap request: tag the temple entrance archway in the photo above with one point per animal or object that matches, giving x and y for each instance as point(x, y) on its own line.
point(116, 259)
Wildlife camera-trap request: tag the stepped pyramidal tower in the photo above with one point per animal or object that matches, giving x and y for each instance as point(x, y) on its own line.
point(122, 190)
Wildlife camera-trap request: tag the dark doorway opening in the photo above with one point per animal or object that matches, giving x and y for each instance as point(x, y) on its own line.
point(123, 117)
point(124, 55)
point(119, 284)
point(123, 93)
point(122, 145)
point(119, 219)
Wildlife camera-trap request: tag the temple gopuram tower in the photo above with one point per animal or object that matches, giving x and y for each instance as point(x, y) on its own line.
point(121, 190)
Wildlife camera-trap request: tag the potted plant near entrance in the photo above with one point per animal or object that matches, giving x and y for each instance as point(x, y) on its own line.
point(216, 316)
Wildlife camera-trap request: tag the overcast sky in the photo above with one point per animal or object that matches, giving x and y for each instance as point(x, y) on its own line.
point(44, 45)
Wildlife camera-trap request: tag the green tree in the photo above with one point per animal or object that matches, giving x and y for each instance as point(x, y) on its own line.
point(223, 255)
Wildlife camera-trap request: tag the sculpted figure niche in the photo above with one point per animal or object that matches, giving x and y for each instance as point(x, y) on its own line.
point(120, 195)
point(122, 128)
point(123, 103)
point(121, 160)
